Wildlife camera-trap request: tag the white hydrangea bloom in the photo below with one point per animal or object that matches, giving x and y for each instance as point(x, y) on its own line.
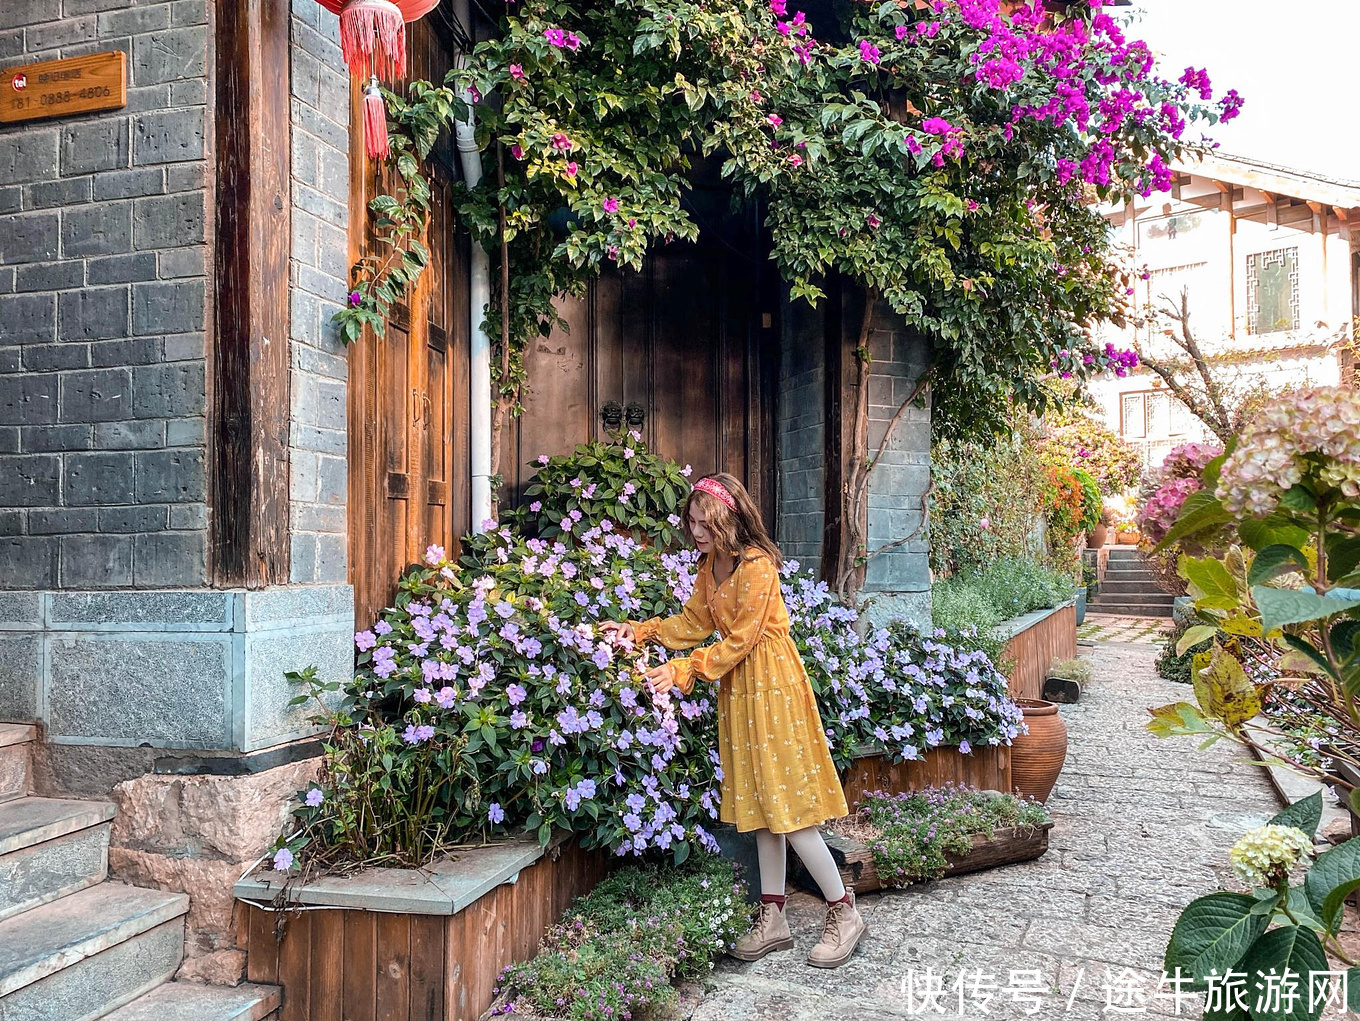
point(1267, 854)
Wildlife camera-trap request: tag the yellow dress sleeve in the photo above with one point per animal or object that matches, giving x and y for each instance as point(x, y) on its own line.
point(756, 600)
point(686, 629)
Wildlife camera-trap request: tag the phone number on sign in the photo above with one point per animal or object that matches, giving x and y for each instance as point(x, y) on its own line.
point(976, 992)
point(90, 92)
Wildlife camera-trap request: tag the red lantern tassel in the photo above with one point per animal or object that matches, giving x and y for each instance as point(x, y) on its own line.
point(373, 38)
point(376, 144)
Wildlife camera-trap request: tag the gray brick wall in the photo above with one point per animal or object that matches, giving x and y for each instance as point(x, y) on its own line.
point(801, 431)
point(901, 576)
point(103, 262)
point(319, 278)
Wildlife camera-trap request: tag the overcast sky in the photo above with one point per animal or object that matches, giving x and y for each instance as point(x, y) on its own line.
point(1295, 63)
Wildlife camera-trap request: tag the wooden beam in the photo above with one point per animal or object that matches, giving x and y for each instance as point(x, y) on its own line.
point(1343, 219)
point(250, 406)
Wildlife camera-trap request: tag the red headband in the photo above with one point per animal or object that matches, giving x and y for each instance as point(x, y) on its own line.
point(715, 488)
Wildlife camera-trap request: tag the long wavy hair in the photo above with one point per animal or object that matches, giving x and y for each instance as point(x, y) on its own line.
point(734, 531)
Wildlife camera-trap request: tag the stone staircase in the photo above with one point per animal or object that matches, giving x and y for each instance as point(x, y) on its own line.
point(75, 946)
point(1129, 588)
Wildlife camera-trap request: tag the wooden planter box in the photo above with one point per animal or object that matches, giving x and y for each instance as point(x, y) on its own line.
point(411, 944)
point(856, 862)
point(1034, 642)
point(987, 768)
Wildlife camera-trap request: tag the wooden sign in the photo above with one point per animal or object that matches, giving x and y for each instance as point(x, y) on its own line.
point(54, 88)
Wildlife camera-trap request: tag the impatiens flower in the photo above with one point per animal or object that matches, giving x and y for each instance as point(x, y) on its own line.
point(611, 205)
point(314, 797)
point(434, 554)
point(365, 640)
point(560, 142)
point(516, 694)
point(495, 813)
point(283, 859)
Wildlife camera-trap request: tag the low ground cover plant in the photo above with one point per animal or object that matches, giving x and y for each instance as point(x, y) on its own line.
point(969, 605)
point(912, 833)
point(617, 950)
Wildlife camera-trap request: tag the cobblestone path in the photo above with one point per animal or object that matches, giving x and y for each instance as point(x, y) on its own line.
point(1143, 826)
point(1114, 627)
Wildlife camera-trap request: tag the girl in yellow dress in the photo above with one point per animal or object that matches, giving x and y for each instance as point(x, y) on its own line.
point(778, 777)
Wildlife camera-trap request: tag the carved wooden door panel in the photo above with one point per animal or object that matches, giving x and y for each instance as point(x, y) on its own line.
point(687, 344)
point(408, 392)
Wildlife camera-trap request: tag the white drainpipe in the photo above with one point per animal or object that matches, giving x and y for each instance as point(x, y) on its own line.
point(479, 296)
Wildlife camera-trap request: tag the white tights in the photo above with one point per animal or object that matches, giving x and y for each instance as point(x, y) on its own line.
point(813, 852)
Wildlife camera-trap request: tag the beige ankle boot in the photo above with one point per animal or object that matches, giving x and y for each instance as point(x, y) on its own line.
point(840, 934)
point(771, 932)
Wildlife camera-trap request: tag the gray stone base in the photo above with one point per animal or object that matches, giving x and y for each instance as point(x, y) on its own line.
point(192, 669)
point(887, 607)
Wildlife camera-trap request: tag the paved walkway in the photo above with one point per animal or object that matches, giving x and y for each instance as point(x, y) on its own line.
point(1114, 627)
point(1143, 826)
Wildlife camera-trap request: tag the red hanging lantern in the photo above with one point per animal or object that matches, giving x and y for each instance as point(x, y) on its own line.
point(373, 44)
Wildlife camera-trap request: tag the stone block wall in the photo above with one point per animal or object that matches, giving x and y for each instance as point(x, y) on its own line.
point(104, 221)
point(320, 101)
point(800, 419)
point(899, 579)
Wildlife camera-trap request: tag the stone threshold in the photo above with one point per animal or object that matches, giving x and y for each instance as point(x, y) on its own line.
point(445, 887)
point(1008, 629)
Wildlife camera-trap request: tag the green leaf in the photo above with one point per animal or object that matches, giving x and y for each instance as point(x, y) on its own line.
point(1225, 692)
point(1211, 583)
point(1212, 934)
point(681, 852)
point(1275, 530)
point(1304, 814)
point(1200, 511)
point(1295, 606)
point(1274, 560)
point(544, 834)
point(1332, 869)
point(1291, 947)
point(1353, 990)
point(1343, 555)
point(1177, 720)
point(1195, 635)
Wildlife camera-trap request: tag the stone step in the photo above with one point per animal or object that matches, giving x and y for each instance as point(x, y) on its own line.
point(16, 767)
point(1133, 587)
point(1122, 552)
point(188, 1001)
point(1145, 596)
point(1132, 609)
point(82, 956)
point(51, 848)
point(1128, 569)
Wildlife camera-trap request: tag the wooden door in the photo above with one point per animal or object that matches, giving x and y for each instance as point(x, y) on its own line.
point(408, 392)
point(691, 339)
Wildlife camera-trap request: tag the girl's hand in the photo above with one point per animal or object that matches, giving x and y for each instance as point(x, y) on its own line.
point(620, 629)
point(661, 679)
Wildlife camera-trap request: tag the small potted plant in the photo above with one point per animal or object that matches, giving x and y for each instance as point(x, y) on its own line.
point(1066, 678)
point(1123, 514)
point(1098, 536)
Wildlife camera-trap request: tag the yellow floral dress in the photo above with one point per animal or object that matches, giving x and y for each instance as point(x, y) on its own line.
point(777, 768)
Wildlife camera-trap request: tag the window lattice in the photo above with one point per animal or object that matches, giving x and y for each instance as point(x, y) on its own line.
point(1273, 291)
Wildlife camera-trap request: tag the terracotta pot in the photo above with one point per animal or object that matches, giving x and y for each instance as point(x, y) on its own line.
point(1128, 538)
point(1037, 757)
point(1096, 537)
